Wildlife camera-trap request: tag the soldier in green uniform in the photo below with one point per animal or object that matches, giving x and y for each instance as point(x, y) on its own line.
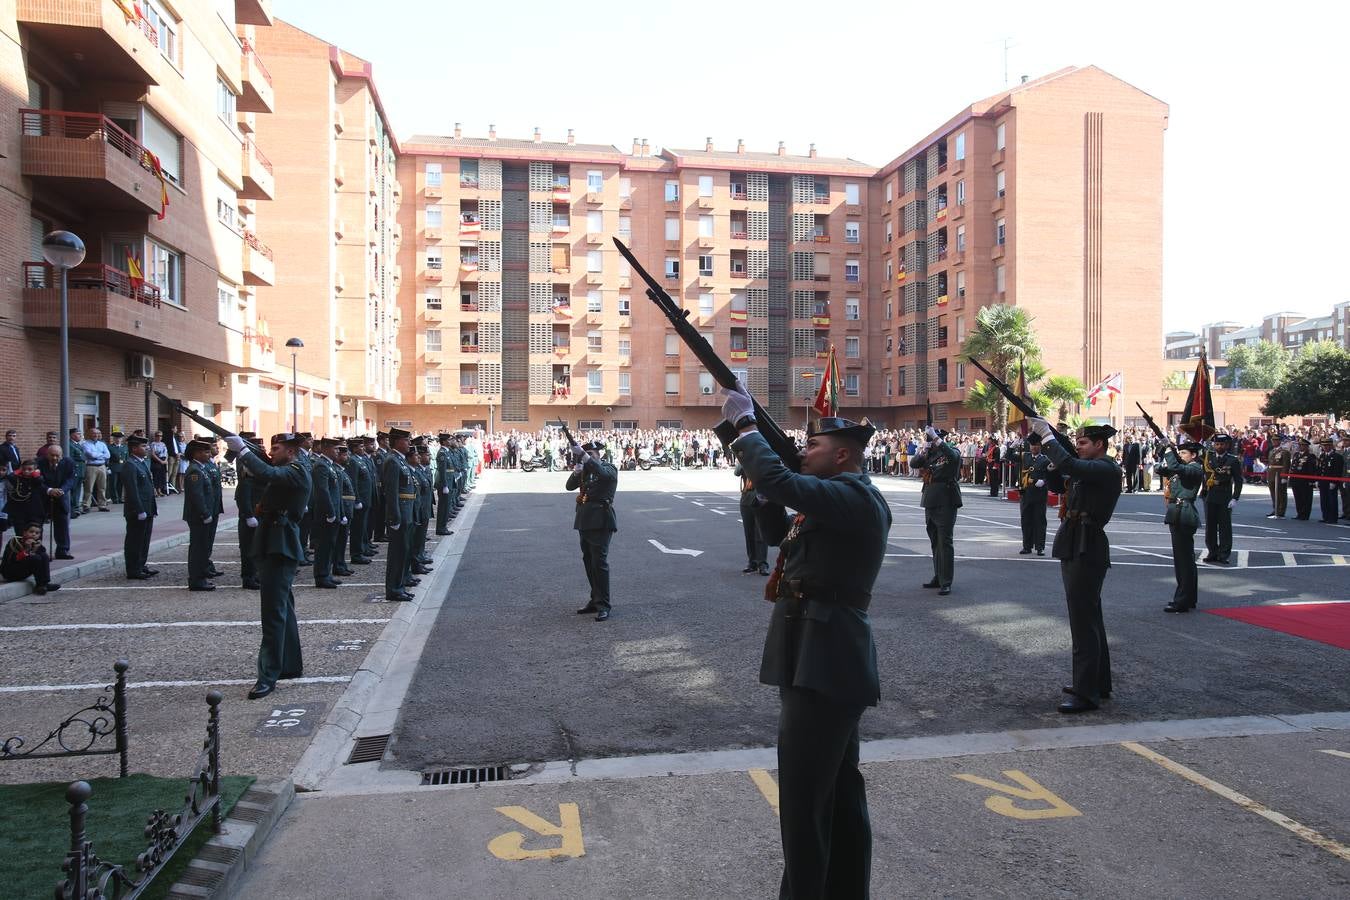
point(594, 519)
point(819, 650)
point(941, 498)
point(1183, 478)
point(378, 532)
point(1084, 554)
point(277, 552)
point(117, 459)
point(422, 508)
point(374, 510)
point(359, 476)
point(139, 509)
point(306, 459)
point(399, 488)
point(347, 492)
point(1221, 490)
point(77, 457)
point(325, 508)
point(217, 493)
point(1345, 485)
point(247, 492)
point(199, 511)
point(1278, 459)
point(1331, 466)
point(1034, 470)
point(459, 461)
point(445, 478)
point(1305, 464)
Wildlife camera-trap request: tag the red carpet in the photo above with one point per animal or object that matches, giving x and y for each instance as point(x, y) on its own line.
point(1328, 623)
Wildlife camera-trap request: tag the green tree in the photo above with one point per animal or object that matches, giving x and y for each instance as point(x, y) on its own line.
point(1002, 337)
point(1317, 382)
point(1060, 391)
point(983, 397)
point(1258, 366)
point(1177, 380)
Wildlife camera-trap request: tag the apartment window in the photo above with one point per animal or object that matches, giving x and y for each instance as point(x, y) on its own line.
point(851, 309)
point(960, 374)
point(1001, 136)
point(890, 191)
point(164, 269)
point(468, 173)
point(889, 309)
point(961, 284)
point(595, 181)
point(672, 267)
point(851, 271)
point(434, 259)
point(890, 384)
point(672, 382)
point(961, 192)
point(625, 188)
point(705, 265)
point(433, 382)
point(595, 342)
point(672, 191)
point(961, 145)
point(433, 339)
point(1001, 232)
point(625, 305)
point(672, 228)
point(960, 239)
point(1000, 279)
point(851, 384)
point(672, 345)
point(595, 261)
point(1001, 183)
point(852, 347)
point(705, 383)
point(225, 209)
point(705, 184)
point(432, 298)
point(225, 102)
point(625, 384)
point(705, 226)
point(595, 381)
point(593, 302)
point(432, 216)
point(165, 29)
point(595, 221)
point(705, 304)
point(851, 195)
point(890, 266)
point(165, 143)
point(227, 305)
point(625, 348)
point(433, 173)
point(852, 232)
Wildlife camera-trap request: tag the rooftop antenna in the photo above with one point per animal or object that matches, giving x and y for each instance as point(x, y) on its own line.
point(1007, 45)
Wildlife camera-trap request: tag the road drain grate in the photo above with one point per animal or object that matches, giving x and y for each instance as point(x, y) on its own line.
point(369, 749)
point(476, 775)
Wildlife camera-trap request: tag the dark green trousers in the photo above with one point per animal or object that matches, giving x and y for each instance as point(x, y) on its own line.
point(1183, 564)
point(248, 566)
point(199, 551)
point(827, 832)
point(1033, 523)
point(941, 524)
point(1091, 657)
point(443, 504)
point(396, 565)
point(1218, 530)
point(356, 530)
point(419, 548)
point(324, 535)
point(279, 653)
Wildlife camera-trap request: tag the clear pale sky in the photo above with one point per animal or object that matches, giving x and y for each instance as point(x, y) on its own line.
point(1249, 198)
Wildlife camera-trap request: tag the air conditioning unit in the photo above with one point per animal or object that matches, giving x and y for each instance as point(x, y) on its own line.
point(140, 367)
point(707, 389)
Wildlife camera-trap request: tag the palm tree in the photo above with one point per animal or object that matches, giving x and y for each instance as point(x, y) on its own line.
point(1002, 338)
point(983, 397)
point(1062, 390)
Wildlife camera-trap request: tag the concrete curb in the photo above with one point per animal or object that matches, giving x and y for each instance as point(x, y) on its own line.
point(222, 862)
point(371, 701)
point(15, 589)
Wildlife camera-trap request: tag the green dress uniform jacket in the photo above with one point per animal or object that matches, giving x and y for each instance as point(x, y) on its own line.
point(218, 500)
point(325, 504)
point(77, 457)
point(940, 500)
point(1223, 482)
point(117, 460)
point(1277, 479)
point(247, 492)
point(139, 497)
point(1183, 485)
point(598, 481)
point(199, 511)
point(1031, 503)
point(398, 489)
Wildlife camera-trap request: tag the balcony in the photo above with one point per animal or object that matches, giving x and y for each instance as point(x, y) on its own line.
point(594, 238)
point(820, 238)
point(339, 228)
point(100, 40)
point(958, 211)
point(434, 273)
point(820, 321)
point(1000, 201)
point(562, 194)
point(594, 198)
point(339, 174)
point(741, 235)
point(957, 167)
point(259, 267)
point(104, 304)
point(431, 191)
point(259, 182)
point(740, 355)
point(997, 252)
point(253, 12)
point(258, 95)
point(259, 351)
point(87, 158)
point(339, 121)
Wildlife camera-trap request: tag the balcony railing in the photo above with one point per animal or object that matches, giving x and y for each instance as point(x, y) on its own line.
point(252, 240)
point(468, 306)
point(84, 126)
point(468, 388)
point(257, 60)
point(250, 147)
point(93, 277)
point(739, 235)
point(738, 195)
point(465, 181)
point(852, 277)
point(468, 348)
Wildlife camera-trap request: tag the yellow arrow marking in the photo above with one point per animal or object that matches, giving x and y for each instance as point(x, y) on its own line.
point(767, 786)
point(1055, 808)
point(511, 846)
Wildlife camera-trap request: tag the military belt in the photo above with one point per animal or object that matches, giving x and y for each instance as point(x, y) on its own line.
point(795, 590)
point(407, 496)
point(348, 496)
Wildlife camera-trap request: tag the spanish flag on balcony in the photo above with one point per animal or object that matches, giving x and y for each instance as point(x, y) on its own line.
point(827, 398)
point(942, 300)
point(151, 162)
point(900, 273)
point(941, 214)
point(134, 274)
point(820, 321)
point(739, 316)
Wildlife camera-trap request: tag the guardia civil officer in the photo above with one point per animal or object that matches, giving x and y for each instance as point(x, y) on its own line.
point(199, 512)
point(594, 520)
point(423, 509)
point(399, 488)
point(1084, 555)
point(247, 492)
point(445, 478)
point(277, 552)
point(1222, 488)
point(218, 500)
point(1278, 459)
point(819, 650)
point(1331, 466)
point(360, 477)
point(1035, 469)
point(756, 550)
point(347, 492)
point(1183, 477)
point(1305, 464)
point(325, 508)
point(941, 498)
point(138, 508)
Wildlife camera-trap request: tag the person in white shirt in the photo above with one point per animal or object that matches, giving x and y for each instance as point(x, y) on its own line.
point(96, 456)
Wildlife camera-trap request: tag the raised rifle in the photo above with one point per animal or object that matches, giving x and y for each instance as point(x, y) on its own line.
point(1023, 406)
point(1153, 426)
point(574, 452)
point(212, 427)
point(779, 442)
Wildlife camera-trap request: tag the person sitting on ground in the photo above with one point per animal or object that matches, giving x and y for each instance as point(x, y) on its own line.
point(24, 557)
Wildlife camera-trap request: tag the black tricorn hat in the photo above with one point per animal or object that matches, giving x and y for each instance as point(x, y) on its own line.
point(443, 437)
point(837, 426)
point(396, 433)
point(118, 434)
point(137, 440)
point(286, 437)
point(1192, 446)
point(596, 444)
point(198, 444)
point(1223, 436)
point(1097, 432)
point(1034, 439)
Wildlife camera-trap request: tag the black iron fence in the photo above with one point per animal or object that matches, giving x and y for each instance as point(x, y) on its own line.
point(84, 732)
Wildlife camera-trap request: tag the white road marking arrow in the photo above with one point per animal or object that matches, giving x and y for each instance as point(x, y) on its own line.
point(678, 552)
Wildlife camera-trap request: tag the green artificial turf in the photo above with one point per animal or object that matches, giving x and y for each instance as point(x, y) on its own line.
point(35, 828)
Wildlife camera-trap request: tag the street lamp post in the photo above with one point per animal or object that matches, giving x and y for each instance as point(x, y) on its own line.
point(295, 344)
point(64, 251)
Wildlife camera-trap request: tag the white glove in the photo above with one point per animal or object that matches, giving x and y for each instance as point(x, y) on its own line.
point(344, 520)
point(445, 490)
point(360, 506)
point(251, 522)
point(1232, 503)
point(140, 517)
point(330, 519)
point(579, 468)
point(738, 404)
point(392, 527)
point(932, 434)
point(235, 443)
point(206, 520)
point(1040, 482)
point(1042, 428)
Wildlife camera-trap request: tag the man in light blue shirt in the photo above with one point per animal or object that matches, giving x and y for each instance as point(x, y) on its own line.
point(96, 455)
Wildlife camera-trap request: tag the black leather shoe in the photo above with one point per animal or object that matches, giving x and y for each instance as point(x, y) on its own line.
point(421, 570)
point(397, 598)
point(343, 572)
point(287, 676)
point(64, 556)
point(1025, 551)
point(149, 573)
point(932, 584)
point(202, 586)
point(944, 590)
point(587, 609)
point(412, 582)
point(444, 533)
point(139, 576)
point(251, 585)
point(1040, 552)
point(1173, 608)
point(750, 568)
point(213, 572)
point(327, 585)
point(360, 561)
point(1076, 704)
point(764, 568)
point(1210, 559)
point(1106, 695)
point(305, 562)
point(260, 690)
point(602, 615)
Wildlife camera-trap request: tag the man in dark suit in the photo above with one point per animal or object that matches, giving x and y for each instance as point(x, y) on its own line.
point(277, 552)
point(819, 650)
point(59, 477)
point(10, 457)
point(1330, 465)
point(138, 508)
point(1130, 456)
point(595, 521)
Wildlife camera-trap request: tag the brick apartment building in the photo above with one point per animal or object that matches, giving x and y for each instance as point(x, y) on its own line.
point(95, 91)
point(1047, 196)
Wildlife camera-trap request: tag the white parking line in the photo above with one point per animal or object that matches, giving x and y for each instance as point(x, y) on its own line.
point(120, 626)
point(100, 685)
